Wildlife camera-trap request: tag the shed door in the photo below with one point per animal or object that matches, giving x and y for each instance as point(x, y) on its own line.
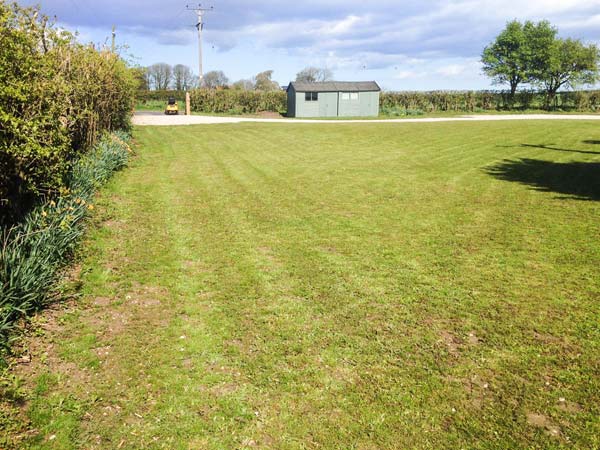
point(309, 104)
point(349, 104)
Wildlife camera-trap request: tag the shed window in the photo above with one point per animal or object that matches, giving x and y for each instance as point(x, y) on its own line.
point(345, 96)
point(354, 96)
point(311, 96)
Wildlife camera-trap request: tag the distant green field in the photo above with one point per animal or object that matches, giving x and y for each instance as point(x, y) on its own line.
point(430, 285)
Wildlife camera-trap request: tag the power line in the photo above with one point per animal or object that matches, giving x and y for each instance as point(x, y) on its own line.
point(200, 26)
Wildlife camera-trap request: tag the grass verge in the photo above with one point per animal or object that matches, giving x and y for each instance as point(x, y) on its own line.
point(33, 252)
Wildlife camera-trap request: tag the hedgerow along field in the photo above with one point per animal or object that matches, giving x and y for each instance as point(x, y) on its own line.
point(231, 101)
point(334, 286)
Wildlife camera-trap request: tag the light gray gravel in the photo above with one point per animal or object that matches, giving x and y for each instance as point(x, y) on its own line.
point(159, 119)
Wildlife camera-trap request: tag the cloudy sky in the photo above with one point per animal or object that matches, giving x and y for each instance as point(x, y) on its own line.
point(408, 45)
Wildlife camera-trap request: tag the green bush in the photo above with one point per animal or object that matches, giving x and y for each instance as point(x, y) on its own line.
point(33, 252)
point(56, 97)
point(237, 102)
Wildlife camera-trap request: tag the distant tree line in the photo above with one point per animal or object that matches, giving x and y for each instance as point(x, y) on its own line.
point(532, 54)
point(162, 77)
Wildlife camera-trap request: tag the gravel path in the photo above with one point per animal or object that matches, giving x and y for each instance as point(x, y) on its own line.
point(159, 119)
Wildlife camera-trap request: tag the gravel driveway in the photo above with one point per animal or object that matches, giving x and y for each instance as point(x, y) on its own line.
point(159, 119)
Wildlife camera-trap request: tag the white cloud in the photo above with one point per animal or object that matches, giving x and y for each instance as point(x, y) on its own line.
point(406, 74)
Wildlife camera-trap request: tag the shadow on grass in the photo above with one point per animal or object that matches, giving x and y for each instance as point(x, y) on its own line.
point(579, 180)
point(591, 141)
point(549, 147)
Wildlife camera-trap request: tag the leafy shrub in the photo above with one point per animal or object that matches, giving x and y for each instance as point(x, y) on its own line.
point(33, 252)
point(238, 102)
point(56, 97)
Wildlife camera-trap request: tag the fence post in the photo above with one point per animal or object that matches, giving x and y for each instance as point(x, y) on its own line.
point(188, 111)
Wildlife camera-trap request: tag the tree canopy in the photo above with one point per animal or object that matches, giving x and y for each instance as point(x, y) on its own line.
point(532, 53)
point(263, 82)
point(215, 79)
point(314, 74)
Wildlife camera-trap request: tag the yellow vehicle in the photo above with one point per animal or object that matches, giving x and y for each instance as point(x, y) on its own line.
point(172, 106)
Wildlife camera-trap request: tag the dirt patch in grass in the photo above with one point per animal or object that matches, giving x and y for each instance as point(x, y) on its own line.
point(452, 342)
point(269, 115)
point(569, 407)
point(102, 302)
point(542, 421)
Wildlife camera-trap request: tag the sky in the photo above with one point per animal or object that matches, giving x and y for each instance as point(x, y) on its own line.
point(403, 45)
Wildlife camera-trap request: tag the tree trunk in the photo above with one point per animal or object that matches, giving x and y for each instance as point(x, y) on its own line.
point(513, 90)
point(550, 98)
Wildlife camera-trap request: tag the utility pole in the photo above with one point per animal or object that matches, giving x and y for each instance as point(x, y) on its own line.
point(114, 35)
point(200, 26)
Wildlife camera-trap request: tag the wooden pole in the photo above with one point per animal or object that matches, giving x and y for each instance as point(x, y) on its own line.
point(188, 108)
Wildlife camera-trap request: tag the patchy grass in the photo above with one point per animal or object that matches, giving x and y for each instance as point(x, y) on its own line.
point(333, 286)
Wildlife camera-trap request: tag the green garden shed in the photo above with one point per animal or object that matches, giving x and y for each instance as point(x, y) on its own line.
point(333, 99)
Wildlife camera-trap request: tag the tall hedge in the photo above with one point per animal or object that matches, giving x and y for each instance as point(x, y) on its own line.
point(237, 102)
point(244, 102)
point(56, 97)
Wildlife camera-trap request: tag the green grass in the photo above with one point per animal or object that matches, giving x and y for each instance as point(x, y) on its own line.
point(337, 286)
point(157, 105)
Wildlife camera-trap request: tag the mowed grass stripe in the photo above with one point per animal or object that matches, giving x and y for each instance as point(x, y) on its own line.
point(339, 286)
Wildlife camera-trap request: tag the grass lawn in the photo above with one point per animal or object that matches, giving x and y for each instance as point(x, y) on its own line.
point(430, 285)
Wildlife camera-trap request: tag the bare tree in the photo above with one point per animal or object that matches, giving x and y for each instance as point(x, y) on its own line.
point(314, 74)
point(183, 78)
point(160, 75)
point(214, 79)
point(263, 82)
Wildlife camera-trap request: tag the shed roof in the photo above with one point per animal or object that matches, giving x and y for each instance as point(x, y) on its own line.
point(336, 86)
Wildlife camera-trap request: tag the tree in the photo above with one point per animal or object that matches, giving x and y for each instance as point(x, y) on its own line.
point(532, 53)
point(540, 38)
point(506, 59)
point(141, 76)
point(214, 79)
point(183, 78)
point(243, 85)
point(314, 74)
point(263, 82)
point(160, 75)
point(567, 63)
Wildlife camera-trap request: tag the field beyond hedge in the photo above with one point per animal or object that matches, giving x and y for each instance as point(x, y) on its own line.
point(430, 285)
